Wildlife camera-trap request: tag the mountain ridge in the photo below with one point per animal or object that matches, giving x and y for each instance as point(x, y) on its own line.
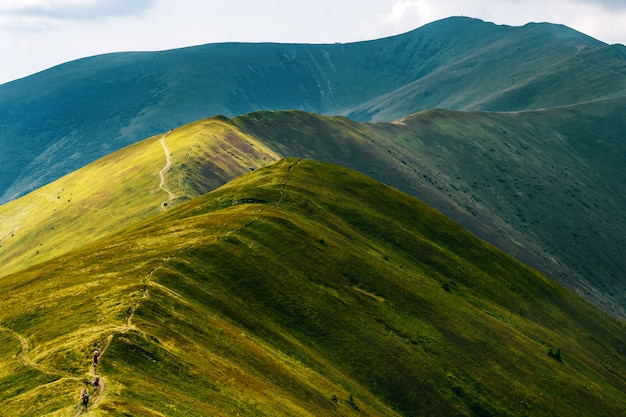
point(214, 307)
point(545, 186)
point(72, 114)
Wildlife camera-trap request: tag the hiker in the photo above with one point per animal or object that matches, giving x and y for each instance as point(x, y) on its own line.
point(96, 382)
point(96, 354)
point(84, 399)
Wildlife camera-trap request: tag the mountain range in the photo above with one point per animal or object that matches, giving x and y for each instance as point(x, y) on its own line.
point(277, 262)
point(508, 177)
point(58, 120)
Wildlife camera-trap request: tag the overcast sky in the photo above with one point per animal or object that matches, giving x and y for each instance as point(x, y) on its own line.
point(38, 34)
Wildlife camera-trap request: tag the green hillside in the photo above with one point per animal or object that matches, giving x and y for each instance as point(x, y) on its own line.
point(301, 289)
point(545, 186)
point(56, 121)
point(533, 67)
point(124, 187)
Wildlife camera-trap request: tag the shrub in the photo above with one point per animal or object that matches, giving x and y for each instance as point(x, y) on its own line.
point(352, 403)
point(556, 355)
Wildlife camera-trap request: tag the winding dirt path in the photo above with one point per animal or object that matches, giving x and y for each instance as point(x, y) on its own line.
point(25, 359)
point(282, 187)
point(163, 171)
point(24, 346)
point(107, 343)
point(101, 384)
point(131, 311)
point(128, 325)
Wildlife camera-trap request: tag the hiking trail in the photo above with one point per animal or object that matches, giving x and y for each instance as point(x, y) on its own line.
point(128, 325)
point(276, 204)
point(101, 383)
point(580, 48)
point(25, 348)
point(97, 395)
point(163, 171)
point(282, 187)
point(123, 329)
point(24, 358)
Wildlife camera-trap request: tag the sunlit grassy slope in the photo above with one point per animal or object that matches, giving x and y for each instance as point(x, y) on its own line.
point(122, 188)
point(303, 289)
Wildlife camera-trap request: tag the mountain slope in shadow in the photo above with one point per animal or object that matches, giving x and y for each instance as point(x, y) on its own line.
point(55, 121)
point(545, 186)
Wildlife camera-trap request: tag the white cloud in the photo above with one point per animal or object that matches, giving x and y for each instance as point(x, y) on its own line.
point(75, 9)
point(402, 9)
point(26, 24)
point(37, 34)
point(607, 4)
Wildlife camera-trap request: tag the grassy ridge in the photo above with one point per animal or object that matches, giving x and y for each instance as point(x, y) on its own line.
point(122, 188)
point(545, 186)
point(520, 70)
point(307, 289)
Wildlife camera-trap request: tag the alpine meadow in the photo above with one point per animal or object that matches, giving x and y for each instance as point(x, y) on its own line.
point(430, 224)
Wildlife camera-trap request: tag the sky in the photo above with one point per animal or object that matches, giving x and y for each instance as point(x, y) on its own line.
point(38, 34)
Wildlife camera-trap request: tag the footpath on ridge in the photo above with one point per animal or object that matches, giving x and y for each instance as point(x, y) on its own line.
point(131, 311)
point(163, 171)
point(24, 358)
point(101, 383)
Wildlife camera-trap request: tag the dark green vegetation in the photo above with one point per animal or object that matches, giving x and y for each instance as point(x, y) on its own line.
point(304, 289)
point(546, 186)
point(58, 120)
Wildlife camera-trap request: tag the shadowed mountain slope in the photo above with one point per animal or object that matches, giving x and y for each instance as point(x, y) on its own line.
point(546, 186)
point(55, 121)
point(535, 67)
point(304, 289)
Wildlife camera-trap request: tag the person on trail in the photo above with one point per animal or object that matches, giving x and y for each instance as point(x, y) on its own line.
point(96, 382)
point(96, 354)
point(84, 399)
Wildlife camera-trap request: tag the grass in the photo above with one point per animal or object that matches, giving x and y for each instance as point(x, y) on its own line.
point(508, 177)
point(121, 189)
point(308, 289)
point(544, 186)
